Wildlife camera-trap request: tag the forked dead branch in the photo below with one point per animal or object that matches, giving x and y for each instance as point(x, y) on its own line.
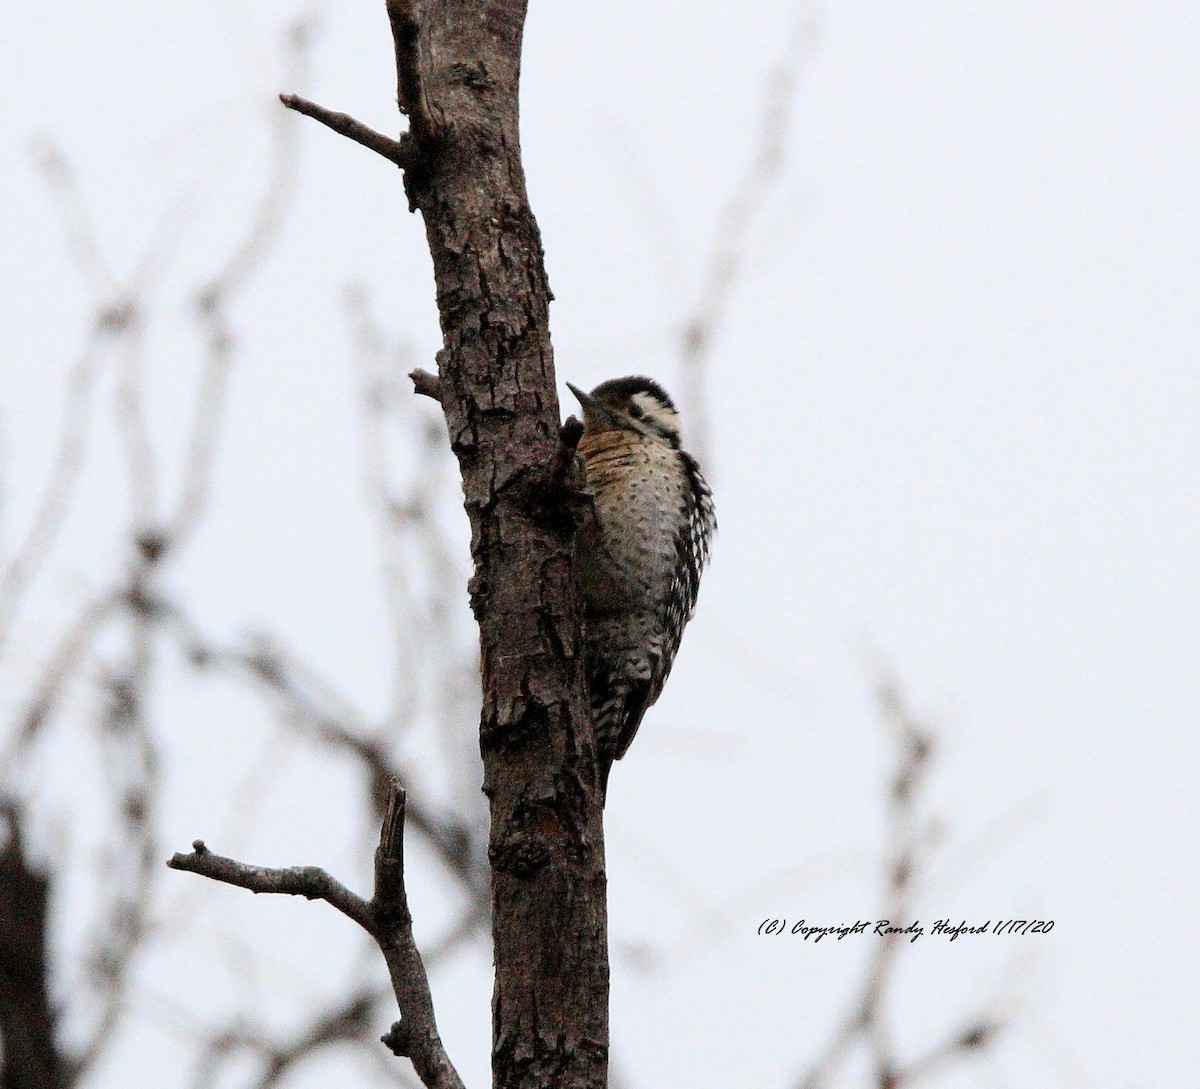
point(385, 917)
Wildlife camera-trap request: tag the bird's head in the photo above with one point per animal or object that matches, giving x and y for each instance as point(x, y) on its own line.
point(632, 404)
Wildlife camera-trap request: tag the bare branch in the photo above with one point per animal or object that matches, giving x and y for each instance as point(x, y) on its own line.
point(311, 882)
point(386, 918)
point(426, 384)
point(56, 497)
point(345, 125)
point(866, 1024)
point(415, 1035)
point(130, 411)
point(213, 300)
point(325, 716)
point(379, 387)
point(268, 217)
point(975, 1036)
point(80, 236)
point(136, 601)
point(132, 777)
point(345, 1023)
point(57, 674)
point(702, 325)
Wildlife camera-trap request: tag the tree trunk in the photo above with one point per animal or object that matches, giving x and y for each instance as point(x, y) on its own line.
point(458, 65)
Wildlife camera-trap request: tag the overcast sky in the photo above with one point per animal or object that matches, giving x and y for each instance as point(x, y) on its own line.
point(954, 429)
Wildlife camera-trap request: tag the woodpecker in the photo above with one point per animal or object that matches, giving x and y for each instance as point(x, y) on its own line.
point(640, 551)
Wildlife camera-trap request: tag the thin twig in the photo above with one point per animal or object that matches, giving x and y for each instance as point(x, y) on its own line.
point(56, 675)
point(379, 394)
point(701, 326)
point(345, 1022)
point(311, 882)
point(276, 196)
point(129, 408)
point(975, 1036)
point(214, 299)
point(34, 549)
point(133, 778)
point(345, 125)
point(81, 238)
point(330, 719)
point(866, 1023)
point(415, 1034)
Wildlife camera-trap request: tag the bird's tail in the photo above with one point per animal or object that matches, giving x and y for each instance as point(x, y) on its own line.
point(617, 716)
point(604, 763)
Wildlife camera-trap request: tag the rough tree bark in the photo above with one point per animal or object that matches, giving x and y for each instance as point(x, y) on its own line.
point(458, 66)
point(458, 69)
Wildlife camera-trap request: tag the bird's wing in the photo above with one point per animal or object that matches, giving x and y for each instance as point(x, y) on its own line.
point(692, 544)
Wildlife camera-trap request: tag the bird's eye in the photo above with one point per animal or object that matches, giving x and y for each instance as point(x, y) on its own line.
point(636, 411)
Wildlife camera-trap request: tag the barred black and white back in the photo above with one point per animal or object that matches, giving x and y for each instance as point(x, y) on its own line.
point(641, 552)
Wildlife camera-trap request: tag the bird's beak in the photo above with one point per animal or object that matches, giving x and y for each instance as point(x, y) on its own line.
point(585, 399)
point(596, 417)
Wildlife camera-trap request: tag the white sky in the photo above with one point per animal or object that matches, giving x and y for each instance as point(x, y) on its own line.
point(956, 408)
